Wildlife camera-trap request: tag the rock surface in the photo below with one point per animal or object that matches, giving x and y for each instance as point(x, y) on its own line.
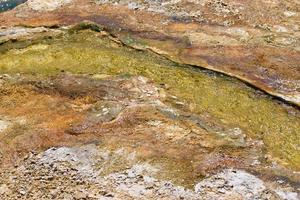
point(108, 137)
point(105, 100)
point(224, 36)
point(3, 125)
point(46, 5)
point(77, 173)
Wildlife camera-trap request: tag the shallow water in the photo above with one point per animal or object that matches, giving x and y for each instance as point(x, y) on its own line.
point(225, 100)
point(9, 4)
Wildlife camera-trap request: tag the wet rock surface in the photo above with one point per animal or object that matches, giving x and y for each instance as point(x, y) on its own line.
point(104, 57)
point(105, 100)
point(117, 137)
point(231, 37)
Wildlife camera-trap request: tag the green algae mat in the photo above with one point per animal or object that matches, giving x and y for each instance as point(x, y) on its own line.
point(225, 101)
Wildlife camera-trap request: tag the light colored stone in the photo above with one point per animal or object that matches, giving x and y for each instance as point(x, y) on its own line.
point(47, 5)
point(4, 189)
point(287, 195)
point(280, 29)
point(289, 13)
point(3, 125)
point(233, 183)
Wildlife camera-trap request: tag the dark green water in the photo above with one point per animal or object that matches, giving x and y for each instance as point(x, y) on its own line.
point(9, 4)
